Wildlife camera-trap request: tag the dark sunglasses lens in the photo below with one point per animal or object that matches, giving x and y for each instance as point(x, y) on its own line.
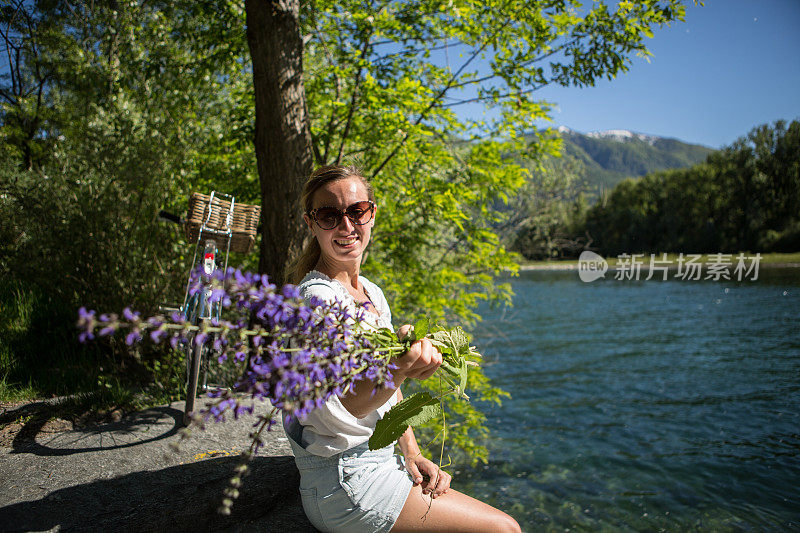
point(328, 217)
point(360, 213)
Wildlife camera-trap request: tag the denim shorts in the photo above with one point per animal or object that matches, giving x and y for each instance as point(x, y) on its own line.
point(355, 491)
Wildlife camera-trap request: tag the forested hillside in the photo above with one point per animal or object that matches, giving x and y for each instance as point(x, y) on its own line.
point(745, 197)
point(546, 219)
point(611, 156)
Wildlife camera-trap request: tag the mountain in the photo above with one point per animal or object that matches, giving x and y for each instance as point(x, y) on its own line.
point(610, 156)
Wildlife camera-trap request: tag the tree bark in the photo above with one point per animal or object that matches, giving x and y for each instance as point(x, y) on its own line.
point(282, 131)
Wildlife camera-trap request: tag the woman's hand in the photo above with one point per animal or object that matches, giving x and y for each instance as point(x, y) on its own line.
point(434, 480)
point(421, 360)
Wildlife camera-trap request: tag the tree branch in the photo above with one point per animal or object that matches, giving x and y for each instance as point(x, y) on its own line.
point(410, 51)
point(506, 95)
point(323, 156)
point(353, 101)
point(438, 98)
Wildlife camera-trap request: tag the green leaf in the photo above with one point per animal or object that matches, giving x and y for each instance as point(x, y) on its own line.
point(441, 339)
point(412, 411)
point(460, 339)
point(450, 369)
point(385, 337)
point(421, 328)
point(462, 372)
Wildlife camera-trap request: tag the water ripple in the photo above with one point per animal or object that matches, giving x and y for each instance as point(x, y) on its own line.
point(645, 406)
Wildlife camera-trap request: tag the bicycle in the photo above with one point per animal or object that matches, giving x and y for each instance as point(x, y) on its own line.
point(216, 220)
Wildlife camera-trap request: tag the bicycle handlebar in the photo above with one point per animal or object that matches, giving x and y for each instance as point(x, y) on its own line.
point(169, 217)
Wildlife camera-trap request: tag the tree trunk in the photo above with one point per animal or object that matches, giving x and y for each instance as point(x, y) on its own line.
point(282, 135)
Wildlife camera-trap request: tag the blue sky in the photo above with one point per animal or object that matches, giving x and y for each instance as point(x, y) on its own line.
point(734, 64)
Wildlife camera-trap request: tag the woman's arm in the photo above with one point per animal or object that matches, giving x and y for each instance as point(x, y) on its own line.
point(360, 399)
point(419, 362)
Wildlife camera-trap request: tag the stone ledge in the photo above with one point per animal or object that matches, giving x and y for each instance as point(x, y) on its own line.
point(126, 476)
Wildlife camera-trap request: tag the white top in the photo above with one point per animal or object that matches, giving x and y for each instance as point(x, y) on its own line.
point(331, 429)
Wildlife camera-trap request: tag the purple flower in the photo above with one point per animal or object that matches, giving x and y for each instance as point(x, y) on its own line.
point(298, 355)
point(157, 335)
point(219, 344)
point(239, 410)
point(290, 291)
point(85, 317)
point(86, 322)
point(133, 337)
point(316, 302)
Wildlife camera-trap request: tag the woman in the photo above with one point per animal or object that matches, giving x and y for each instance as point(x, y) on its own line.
point(345, 486)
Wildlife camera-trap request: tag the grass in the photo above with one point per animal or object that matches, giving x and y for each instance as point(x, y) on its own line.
point(766, 260)
point(40, 358)
point(16, 393)
point(82, 407)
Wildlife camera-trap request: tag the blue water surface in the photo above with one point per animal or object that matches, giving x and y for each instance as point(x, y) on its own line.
point(644, 405)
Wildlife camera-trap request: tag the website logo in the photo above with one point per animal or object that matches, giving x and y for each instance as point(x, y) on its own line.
point(591, 266)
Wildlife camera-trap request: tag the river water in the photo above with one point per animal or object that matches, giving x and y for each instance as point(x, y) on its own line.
point(644, 405)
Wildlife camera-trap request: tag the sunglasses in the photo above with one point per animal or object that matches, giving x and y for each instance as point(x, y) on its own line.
point(359, 214)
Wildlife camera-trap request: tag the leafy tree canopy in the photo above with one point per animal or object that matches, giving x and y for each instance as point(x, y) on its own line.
point(124, 107)
point(383, 83)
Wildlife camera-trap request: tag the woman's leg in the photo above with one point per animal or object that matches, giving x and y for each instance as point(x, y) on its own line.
point(452, 511)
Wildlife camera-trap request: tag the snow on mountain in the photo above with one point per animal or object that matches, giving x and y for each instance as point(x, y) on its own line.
point(622, 135)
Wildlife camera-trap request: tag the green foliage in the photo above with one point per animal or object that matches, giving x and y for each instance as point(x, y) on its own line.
point(411, 411)
point(607, 160)
point(136, 108)
point(37, 348)
point(461, 427)
point(169, 377)
point(436, 409)
point(743, 198)
point(378, 93)
point(544, 217)
point(546, 220)
point(124, 108)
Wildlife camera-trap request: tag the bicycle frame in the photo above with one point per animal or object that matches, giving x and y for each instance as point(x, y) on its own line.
point(197, 308)
point(209, 254)
point(215, 225)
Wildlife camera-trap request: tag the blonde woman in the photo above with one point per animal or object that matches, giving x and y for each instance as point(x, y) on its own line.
point(345, 486)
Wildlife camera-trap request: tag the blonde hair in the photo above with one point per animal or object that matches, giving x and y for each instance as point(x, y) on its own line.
point(309, 256)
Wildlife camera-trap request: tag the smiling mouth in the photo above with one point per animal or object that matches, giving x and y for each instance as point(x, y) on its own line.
point(345, 242)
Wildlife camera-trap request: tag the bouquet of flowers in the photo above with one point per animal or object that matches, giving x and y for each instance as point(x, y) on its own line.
point(293, 354)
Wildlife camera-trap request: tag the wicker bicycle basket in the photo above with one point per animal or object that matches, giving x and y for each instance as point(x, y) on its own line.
point(243, 226)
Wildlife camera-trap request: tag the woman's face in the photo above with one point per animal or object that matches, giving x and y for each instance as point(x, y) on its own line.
point(345, 243)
